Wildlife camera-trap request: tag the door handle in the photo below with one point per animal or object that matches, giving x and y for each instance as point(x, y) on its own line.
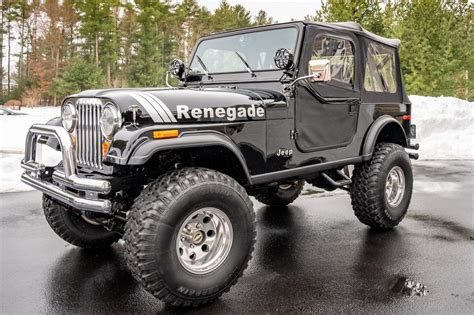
point(353, 108)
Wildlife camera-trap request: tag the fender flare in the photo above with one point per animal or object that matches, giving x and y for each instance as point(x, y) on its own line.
point(186, 140)
point(374, 131)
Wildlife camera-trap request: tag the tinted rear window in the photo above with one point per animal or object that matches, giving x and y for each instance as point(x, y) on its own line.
point(380, 69)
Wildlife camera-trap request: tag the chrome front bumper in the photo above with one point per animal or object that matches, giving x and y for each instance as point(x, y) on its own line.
point(66, 186)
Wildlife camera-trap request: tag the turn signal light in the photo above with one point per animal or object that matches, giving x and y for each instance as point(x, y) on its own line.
point(105, 148)
point(165, 134)
point(74, 140)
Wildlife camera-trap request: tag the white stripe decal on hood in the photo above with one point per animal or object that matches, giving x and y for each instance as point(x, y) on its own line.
point(162, 105)
point(150, 108)
point(161, 109)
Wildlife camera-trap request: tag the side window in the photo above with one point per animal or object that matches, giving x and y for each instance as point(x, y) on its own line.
point(339, 53)
point(380, 69)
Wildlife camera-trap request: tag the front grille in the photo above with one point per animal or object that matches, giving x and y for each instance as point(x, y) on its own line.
point(89, 136)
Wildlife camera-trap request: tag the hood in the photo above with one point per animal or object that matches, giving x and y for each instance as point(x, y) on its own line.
point(192, 105)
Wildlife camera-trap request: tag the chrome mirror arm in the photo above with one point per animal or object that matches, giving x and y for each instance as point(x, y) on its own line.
point(289, 89)
point(167, 79)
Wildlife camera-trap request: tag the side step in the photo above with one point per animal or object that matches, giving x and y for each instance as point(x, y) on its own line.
point(339, 183)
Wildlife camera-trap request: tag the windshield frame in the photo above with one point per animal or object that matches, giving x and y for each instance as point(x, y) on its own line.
point(266, 74)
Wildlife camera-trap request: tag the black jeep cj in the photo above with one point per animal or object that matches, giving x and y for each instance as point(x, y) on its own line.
point(258, 112)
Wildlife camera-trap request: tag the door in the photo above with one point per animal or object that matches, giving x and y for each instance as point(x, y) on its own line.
point(327, 110)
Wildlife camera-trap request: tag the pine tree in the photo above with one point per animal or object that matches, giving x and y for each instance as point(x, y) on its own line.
point(368, 13)
point(79, 75)
point(227, 17)
point(127, 29)
point(99, 30)
point(191, 22)
point(262, 18)
point(153, 38)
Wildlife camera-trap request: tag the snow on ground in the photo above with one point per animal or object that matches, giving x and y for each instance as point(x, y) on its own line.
point(445, 130)
point(13, 128)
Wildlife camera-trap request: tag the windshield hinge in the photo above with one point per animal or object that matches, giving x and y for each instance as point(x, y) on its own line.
point(293, 134)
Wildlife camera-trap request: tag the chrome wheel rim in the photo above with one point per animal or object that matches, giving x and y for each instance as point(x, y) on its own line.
point(287, 186)
point(204, 240)
point(395, 186)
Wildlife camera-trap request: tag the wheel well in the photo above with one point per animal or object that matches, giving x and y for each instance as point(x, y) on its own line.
point(392, 132)
point(215, 157)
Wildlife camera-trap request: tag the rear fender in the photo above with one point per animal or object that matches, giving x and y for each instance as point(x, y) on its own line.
point(383, 129)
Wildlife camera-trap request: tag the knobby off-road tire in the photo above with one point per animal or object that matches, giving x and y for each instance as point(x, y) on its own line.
point(73, 229)
point(281, 195)
point(371, 184)
point(153, 235)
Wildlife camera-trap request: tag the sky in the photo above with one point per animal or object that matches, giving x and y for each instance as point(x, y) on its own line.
point(280, 10)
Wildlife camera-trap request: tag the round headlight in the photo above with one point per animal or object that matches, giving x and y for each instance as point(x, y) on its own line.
point(110, 120)
point(69, 116)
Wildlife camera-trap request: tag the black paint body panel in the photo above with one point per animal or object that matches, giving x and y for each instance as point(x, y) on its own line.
point(329, 134)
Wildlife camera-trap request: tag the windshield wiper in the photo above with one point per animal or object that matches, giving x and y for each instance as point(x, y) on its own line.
point(204, 68)
point(249, 70)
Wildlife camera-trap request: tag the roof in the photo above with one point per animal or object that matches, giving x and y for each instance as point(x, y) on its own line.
point(353, 27)
point(357, 28)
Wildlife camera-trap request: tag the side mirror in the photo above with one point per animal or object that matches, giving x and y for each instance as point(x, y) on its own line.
point(320, 69)
point(284, 59)
point(177, 69)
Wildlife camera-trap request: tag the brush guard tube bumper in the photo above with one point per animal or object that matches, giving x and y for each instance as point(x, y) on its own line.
point(65, 186)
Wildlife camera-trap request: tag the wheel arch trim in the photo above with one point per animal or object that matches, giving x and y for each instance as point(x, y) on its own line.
point(375, 131)
point(188, 140)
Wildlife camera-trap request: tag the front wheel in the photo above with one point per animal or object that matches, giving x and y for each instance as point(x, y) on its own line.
point(382, 187)
point(75, 227)
point(189, 236)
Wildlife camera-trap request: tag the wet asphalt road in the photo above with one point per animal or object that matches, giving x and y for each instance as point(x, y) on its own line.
point(312, 257)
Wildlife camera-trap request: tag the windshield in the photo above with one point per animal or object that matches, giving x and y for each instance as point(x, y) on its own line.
point(242, 53)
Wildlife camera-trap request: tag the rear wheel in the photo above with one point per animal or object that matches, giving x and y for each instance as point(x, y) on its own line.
point(189, 236)
point(281, 195)
point(75, 227)
point(382, 187)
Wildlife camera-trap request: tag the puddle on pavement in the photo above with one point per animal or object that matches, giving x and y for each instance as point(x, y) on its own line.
point(409, 287)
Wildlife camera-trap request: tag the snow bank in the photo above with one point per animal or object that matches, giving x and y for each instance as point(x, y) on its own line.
point(10, 173)
point(13, 128)
point(445, 127)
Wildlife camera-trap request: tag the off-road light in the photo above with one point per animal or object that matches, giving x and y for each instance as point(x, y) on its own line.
point(177, 68)
point(283, 59)
point(110, 120)
point(69, 116)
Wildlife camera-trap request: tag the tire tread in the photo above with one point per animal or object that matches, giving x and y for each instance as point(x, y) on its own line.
point(145, 215)
point(366, 203)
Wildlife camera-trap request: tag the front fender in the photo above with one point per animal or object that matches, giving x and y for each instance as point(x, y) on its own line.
point(190, 139)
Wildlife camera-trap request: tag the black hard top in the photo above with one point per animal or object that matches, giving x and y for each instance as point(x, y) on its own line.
point(353, 27)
